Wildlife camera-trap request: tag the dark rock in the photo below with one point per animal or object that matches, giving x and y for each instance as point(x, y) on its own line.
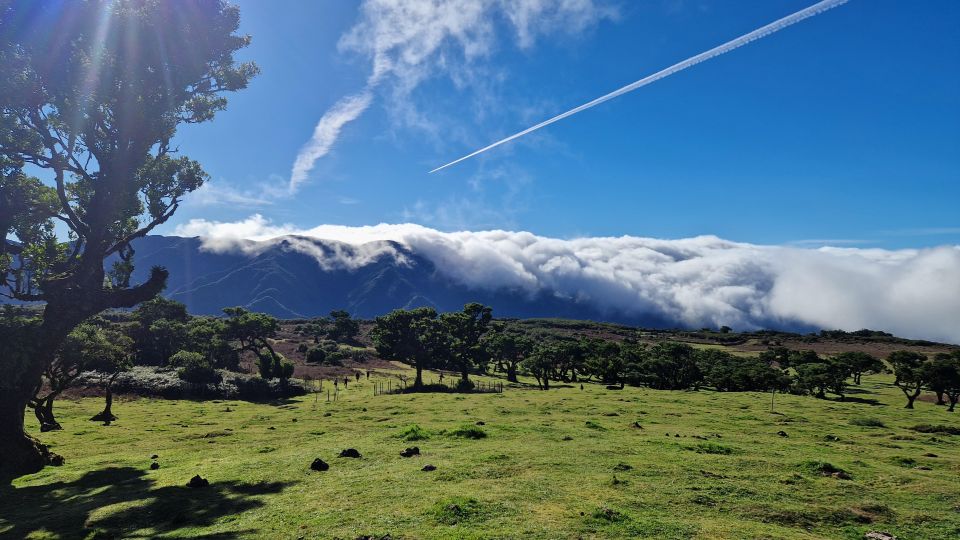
point(410, 452)
point(622, 467)
point(614, 387)
point(481, 423)
point(154, 466)
point(568, 438)
point(842, 475)
point(928, 454)
point(271, 428)
point(637, 425)
point(328, 414)
point(677, 435)
point(154, 457)
point(319, 465)
point(56, 460)
point(198, 482)
point(831, 438)
point(350, 453)
point(294, 420)
point(782, 433)
point(428, 468)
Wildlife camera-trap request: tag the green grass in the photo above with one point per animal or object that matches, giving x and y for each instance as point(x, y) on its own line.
point(545, 468)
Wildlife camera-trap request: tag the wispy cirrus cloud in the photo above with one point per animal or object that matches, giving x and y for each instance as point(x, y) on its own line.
point(410, 41)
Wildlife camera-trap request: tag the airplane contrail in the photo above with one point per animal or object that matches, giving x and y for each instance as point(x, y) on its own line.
point(761, 32)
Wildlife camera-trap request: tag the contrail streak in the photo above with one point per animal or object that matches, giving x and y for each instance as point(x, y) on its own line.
point(761, 32)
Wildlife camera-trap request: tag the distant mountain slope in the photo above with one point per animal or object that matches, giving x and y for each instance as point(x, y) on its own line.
point(288, 283)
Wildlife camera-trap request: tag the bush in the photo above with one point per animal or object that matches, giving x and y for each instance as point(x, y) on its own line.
point(316, 356)
point(164, 382)
point(195, 368)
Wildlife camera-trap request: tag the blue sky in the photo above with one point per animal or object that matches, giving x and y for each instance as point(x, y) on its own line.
point(843, 129)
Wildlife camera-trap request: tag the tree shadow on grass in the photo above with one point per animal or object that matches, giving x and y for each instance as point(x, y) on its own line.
point(79, 509)
point(865, 401)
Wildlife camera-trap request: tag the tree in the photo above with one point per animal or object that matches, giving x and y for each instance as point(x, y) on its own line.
point(253, 332)
point(342, 327)
point(160, 329)
point(208, 336)
point(604, 360)
point(947, 376)
point(408, 336)
point(818, 378)
point(729, 373)
point(465, 330)
point(508, 348)
point(111, 360)
point(91, 94)
point(941, 375)
point(540, 363)
point(860, 363)
point(671, 366)
point(195, 368)
point(909, 373)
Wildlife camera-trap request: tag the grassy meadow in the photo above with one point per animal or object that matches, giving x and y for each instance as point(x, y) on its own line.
point(565, 463)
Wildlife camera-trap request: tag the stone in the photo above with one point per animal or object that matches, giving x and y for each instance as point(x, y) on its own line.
point(879, 535)
point(319, 465)
point(782, 433)
point(154, 457)
point(428, 468)
point(350, 453)
point(410, 452)
point(154, 466)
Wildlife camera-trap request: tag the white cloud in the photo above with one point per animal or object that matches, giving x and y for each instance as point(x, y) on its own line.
point(325, 134)
point(410, 41)
point(217, 193)
point(694, 281)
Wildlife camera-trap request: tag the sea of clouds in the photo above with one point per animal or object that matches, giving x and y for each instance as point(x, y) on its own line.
point(701, 281)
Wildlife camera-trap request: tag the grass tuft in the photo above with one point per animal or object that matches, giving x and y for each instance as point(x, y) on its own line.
point(468, 432)
point(414, 432)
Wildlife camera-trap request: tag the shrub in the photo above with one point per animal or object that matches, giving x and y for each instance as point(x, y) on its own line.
point(302, 348)
point(316, 356)
point(195, 368)
point(468, 432)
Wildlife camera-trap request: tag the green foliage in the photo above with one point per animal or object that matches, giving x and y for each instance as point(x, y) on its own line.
point(342, 327)
point(195, 368)
point(273, 365)
point(820, 377)
point(729, 373)
point(670, 366)
point(465, 330)
point(412, 336)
